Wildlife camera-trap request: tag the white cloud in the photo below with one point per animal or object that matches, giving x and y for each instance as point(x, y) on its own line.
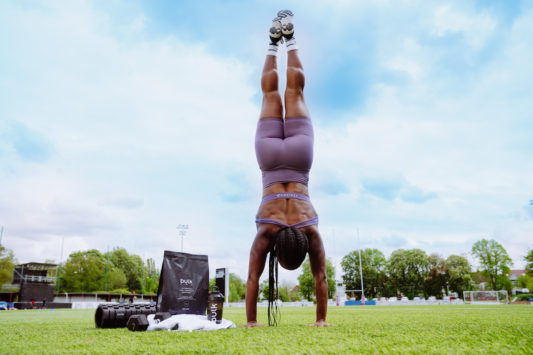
point(460, 137)
point(148, 124)
point(151, 131)
point(475, 27)
point(410, 59)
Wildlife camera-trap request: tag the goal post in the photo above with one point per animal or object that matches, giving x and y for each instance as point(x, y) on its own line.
point(486, 297)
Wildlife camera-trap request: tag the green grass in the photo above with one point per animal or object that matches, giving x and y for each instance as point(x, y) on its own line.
point(395, 329)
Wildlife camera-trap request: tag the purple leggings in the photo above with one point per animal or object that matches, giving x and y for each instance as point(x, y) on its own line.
point(284, 149)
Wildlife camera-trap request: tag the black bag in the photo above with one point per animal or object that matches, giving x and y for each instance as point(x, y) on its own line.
point(183, 284)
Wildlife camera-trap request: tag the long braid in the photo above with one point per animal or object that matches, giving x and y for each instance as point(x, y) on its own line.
point(274, 314)
point(289, 248)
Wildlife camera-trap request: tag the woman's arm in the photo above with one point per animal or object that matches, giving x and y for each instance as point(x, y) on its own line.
point(258, 255)
point(317, 258)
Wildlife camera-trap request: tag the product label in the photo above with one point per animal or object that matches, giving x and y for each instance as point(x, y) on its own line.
point(213, 312)
point(185, 289)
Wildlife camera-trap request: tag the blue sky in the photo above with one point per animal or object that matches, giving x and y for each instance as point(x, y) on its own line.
point(120, 120)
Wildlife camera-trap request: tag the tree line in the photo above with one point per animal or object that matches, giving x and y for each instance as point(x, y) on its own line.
point(116, 271)
point(288, 292)
point(7, 264)
point(411, 272)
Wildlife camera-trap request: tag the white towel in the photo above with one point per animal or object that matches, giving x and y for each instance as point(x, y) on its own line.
point(188, 322)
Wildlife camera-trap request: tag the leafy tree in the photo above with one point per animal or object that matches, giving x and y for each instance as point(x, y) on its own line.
point(151, 276)
point(458, 272)
point(504, 283)
point(330, 275)
point(525, 281)
point(437, 279)
point(265, 291)
point(151, 270)
point(115, 278)
point(7, 264)
point(293, 292)
point(287, 293)
point(131, 266)
point(529, 262)
point(407, 270)
point(262, 286)
point(306, 281)
point(79, 267)
point(373, 263)
point(85, 272)
point(284, 294)
point(237, 288)
point(494, 261)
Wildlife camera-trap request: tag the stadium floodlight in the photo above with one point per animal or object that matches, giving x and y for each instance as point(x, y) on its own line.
point(361, 269)
point(183, 229)
point(60, 262)
point(106, 268)
point(486, 297)
point(142, 283)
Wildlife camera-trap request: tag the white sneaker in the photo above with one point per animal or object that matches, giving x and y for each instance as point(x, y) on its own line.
point(287, 27)
point(275, 31)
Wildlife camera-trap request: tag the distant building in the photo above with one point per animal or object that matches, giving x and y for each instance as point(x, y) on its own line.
point(35, 283)
point(34, 273)
point(340, 293)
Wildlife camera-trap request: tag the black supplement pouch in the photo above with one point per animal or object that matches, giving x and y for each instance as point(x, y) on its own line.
point(183, 284)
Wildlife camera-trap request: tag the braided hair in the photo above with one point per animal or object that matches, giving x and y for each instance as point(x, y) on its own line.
point(289, 247)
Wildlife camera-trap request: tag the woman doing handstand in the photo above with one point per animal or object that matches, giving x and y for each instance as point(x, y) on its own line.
point(284, 149)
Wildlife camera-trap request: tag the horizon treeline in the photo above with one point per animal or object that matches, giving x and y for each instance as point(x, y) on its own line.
point(411, 272)
point(407, 272)
point(115, 271)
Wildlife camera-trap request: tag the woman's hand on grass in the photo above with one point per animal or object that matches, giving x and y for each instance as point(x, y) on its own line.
point(253, 325)
point(320, 324)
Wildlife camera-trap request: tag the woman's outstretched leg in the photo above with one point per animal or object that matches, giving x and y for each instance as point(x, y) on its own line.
point(294, 93)
point(271, 106)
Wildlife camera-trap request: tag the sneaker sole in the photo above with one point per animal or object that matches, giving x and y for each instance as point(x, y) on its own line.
point(288, 30)
point(276, 33)
point(285, 13)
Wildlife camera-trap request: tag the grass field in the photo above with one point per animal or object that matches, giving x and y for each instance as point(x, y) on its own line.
point(395, 329)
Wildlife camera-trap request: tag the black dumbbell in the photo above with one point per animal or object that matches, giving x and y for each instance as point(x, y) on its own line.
point(138, 323)
point(116, 315)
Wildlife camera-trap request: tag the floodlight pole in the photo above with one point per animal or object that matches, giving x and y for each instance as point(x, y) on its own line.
point(142, 284)
point(1, 234)
point(60, 261)
point(361, 269)
point(106, 268)
point(183, 229)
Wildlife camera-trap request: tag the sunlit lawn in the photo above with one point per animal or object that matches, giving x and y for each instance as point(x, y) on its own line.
point(370, 329)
